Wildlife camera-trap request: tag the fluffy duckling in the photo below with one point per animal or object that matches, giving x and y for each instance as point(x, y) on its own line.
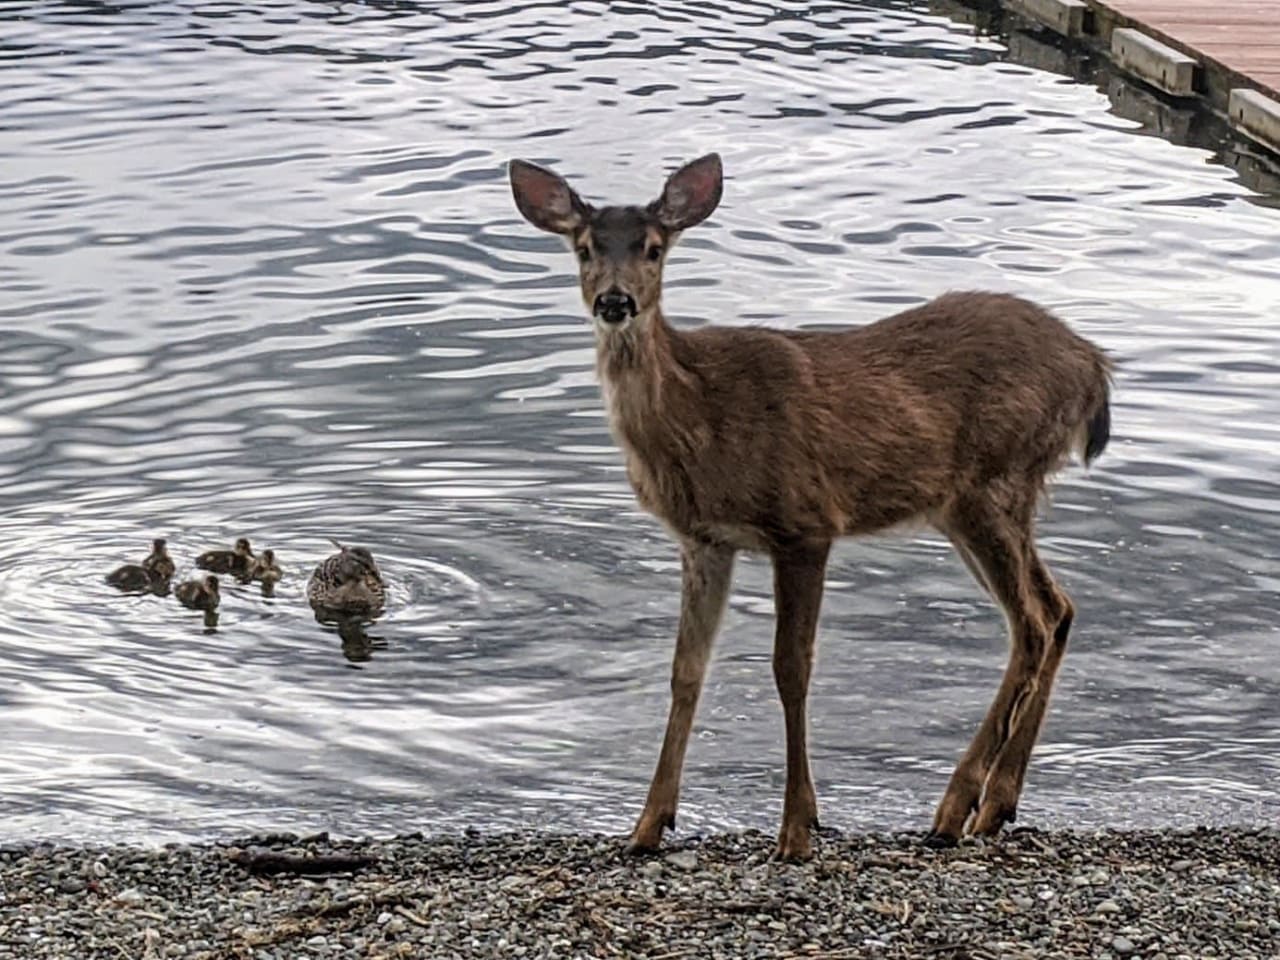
point(199, 594)
point(130, 576)
point(152, 573)
point(348, 583)
point(238, 561)
point(159, 564)
point(266, 569)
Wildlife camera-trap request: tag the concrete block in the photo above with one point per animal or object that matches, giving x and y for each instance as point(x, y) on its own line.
point(1256, 114)
point(1064, 16)
point(1161, 66)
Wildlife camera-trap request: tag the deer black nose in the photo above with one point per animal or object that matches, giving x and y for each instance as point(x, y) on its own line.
point(614, 306)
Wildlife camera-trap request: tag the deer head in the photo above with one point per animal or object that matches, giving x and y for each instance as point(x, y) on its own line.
point(621, 250)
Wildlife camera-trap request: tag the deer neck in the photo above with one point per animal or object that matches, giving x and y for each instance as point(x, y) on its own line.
point(636, 367)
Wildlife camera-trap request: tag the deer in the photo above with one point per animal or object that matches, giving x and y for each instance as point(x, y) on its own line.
point(952, 414)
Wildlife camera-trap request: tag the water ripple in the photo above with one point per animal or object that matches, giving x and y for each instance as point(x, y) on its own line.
point(263, 277)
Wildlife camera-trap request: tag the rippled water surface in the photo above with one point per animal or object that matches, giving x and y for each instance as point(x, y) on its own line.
point(262, 276)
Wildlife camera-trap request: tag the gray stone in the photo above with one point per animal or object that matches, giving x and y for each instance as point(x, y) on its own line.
point(683, 860)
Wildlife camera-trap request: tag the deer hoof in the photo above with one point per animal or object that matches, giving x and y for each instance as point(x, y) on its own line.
point(936, 840)
point(992, 817)
point(647, 836)
point(794, 845)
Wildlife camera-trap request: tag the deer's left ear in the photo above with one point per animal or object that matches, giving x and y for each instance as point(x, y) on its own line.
point(691, 193)
point(545, 200)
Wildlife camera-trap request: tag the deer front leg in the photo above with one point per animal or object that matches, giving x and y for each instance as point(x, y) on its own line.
point(797, 586)
point(706, 572)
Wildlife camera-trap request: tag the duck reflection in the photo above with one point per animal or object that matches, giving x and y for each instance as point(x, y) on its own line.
point(358, 644)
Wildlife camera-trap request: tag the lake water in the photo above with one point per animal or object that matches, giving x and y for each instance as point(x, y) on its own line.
point(262, 276)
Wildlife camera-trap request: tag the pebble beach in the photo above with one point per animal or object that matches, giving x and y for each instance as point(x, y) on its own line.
point(1207, 893)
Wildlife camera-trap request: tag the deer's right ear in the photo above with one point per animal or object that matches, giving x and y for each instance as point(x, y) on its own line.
point(544, 199)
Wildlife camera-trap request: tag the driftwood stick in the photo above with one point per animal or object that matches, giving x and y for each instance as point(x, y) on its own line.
point(266, 863)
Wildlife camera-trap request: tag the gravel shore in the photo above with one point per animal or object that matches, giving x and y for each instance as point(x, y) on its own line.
point(1198, 894)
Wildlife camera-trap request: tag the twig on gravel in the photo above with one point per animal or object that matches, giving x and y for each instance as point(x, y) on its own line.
point(410, 915)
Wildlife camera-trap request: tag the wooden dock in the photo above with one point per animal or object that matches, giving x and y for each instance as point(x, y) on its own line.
point(1224, 53)
point(1240, 38)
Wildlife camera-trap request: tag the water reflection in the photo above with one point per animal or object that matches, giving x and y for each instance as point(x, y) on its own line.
point(262, 274)
point(1031, 44)
point(358, 644)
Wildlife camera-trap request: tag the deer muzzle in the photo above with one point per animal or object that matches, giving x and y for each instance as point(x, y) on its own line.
point(614, 306)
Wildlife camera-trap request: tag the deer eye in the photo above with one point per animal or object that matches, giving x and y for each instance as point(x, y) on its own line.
point(584, 254)
point(655, 252)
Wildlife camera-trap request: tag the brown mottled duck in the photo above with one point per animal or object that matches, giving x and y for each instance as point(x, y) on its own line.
point(153, 573)
point(348, 583)
point(265, 569)
point(159, 563)
point(238, 561)
point(199, 594)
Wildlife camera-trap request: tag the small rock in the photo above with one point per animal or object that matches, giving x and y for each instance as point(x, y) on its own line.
point(1181, 866)
point(384, 918)
point(1123, 946)
point(71, 885)
point(99, 869)
point(683, 860)
point(1107, 907)
point(132, 895)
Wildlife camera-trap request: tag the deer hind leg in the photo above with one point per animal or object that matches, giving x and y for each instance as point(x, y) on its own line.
point(1004, 783)
point(797, 584)
point(707, 570)
point(994, 536)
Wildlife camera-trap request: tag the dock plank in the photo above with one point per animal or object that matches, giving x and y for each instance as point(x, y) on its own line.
point(1239, 36)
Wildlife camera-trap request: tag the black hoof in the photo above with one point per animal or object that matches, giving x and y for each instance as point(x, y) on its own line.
point(939, 841)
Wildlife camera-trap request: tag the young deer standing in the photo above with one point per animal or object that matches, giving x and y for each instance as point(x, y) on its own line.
point(952, 413)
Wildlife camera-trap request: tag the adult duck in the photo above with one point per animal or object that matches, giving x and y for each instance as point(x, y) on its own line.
point(348, 583)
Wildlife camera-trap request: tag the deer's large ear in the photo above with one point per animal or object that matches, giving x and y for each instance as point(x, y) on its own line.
point(545, 200)
point(691, 193)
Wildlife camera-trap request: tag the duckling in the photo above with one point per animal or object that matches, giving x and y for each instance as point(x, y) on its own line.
point(266, 569)
point(148, 575)
point(348, 583)
point(199, 594)
point(159, 564)
point(238, 561)
point(131, 576)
